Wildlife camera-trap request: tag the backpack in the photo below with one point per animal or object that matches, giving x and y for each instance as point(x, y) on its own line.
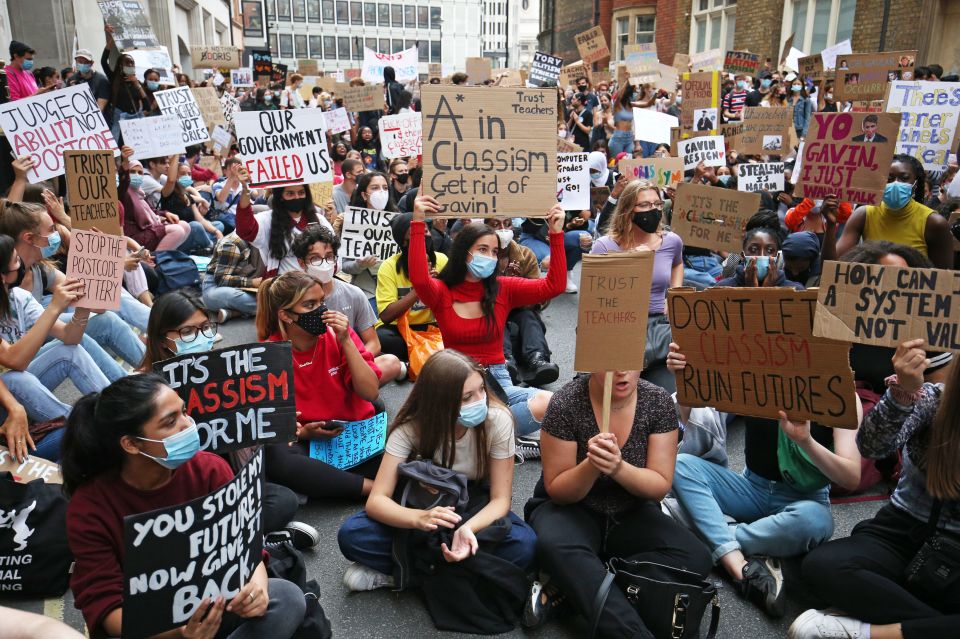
point(286, 562)
point(176, 270)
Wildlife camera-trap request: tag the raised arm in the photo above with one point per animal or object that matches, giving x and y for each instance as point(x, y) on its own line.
point(428, 289)
point(524, 292)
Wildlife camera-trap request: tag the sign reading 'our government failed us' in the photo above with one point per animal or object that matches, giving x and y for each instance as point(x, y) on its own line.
point(888, 305)
point(176, 557)
point(281, 148)
point(752, 351)
point(489, 150)
point(238, 396)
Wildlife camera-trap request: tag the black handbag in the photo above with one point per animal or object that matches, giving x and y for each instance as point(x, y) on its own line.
point(670, 601)
point(936, 566)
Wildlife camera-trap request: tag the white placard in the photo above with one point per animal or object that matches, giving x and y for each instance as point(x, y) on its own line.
point(708, 149)
point(337, 120)
point(401, 136)
point(221, 138)
point(829, 55)
point(652, 126)
point(573, 181)
point(182, 103)
point(156, 137)
point(281, 148)
point(793, 59)
point(753, 177)
point(241, 77)
point(928, 128)
point(404, 65)
point(367, 232)
point(157, 59)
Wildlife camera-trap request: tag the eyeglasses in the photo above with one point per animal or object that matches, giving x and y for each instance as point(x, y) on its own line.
point(643, 207)
point(322, 261)
point(189, 333)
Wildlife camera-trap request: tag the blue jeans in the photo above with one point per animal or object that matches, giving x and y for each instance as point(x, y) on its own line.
point(620, 142)
point(133, 311)
point(199, 238)
point(518, 399)
point(227, 219)
point(226, 297)
point(701, 270)
point(776, 519)
point(110, 332)
point(370, 543)
point(571, 245)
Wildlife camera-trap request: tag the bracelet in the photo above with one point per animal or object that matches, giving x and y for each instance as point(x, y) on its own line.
point(900, 394)
point(79, 322)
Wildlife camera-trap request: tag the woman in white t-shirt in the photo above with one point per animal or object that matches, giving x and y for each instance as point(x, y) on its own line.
point(451, 418)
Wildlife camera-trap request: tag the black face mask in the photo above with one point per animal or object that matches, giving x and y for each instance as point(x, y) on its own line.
point(582, 89)
point(296, 205)
point(21, 272)
point(312, 322)
point(402, 178)
point(648, 221)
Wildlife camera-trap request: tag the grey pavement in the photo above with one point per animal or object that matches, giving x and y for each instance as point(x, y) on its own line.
point(387, 614)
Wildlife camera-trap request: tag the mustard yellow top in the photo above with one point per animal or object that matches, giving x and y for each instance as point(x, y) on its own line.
point(904, 226)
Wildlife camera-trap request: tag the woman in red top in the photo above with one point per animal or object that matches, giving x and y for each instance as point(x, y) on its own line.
point(131, 449)
point(334, 378)
point(471, 303)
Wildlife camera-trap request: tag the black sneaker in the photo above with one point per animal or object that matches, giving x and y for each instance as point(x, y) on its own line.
point(303, 536)
point(527, 448)
point(543, 604)
point(763, 584)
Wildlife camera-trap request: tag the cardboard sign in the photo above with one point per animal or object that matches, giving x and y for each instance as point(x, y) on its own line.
point(404, 65)
point(888, 305)
point(751, 351)
point(711, 60)
point(811, 68)
point(358, 442)
point(708, 149)
point(566, 146)
point(701, 101)
point(307, 67)
point(366, 232)
point(765, 131)
point(130, 22)
point(206, 548)
point(367, 97)
point(663, 172)
point(44, 126)
point(864, 76)
point(214, 57)
point(210, 107)
point(239, 396)
point(754, 177)
point(928, 124)
point(30, 469)
point(573, 181)
point(321, 193)
point(545, 70)
point(154, 137)
point(328, 83)
point(641, 58)
point(181, 103)
point(401, 135)
point(612, 315)
point(838, 158)
point(478, 70)
point(97, 260)
point(157, 59)
point(785, 51)
point(434, 70)
point(712, 218)
point(592, 45)
point(92, 191)
point(653, 126)
point(744, 62)
point(281, 148)
point(510, 78)
point(261, 61)
point(337, 120)
point(681, 62)
point(489, 151)
point(571, 73)
point(241, 78)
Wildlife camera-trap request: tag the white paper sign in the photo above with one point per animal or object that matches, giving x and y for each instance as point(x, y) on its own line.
point(281, 148)
point(708, 149)
point(793, 59)
point(241, 77)
point(928, 127)
point(404, 65)
point(366, 232)
point(337, 120)
point(221, 138)
point(652, 126)
point(156, 137)
point(761, 176)
point(830, 54)
point(401, 135)
point(182, 103)
point(157, 59)
point(573, 181)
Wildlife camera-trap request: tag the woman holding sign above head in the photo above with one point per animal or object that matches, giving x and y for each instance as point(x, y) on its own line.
point(127, 96)
point(131, 449)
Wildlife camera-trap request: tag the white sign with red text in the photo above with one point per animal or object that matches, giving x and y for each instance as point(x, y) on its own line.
point(401, 135)
point(281, 148)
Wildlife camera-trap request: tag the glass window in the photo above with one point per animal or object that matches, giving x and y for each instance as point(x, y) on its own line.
point(328, 13)
point(343, 48)
point(330, 47)
point(410, 16)
point(845, 20)
point(313, 10)
point(423, 50)
point(731, 28)
point(701, 35)
point(409, 44)
point(283, 10)
point(623, 35)
point(300, 44)
point(370, 14)
point(396, 15)
point(299, 11)
point(715, 31)
point(435, 51)
point(397, 46)
point(274, 51)
point(434, 17)
point(357, 48)
point(645, 28)
point(384, 45)
point(286, 45)
point(316, 48)
point(821, 25)
point(253, 19)
point(271, 9)
point(383, 15)
point(356, 13)
point(423, 17)
point(343, 12)
point(370, 43)
point(799, 26)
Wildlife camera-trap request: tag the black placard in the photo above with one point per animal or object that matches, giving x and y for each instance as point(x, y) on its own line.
point(545, 70)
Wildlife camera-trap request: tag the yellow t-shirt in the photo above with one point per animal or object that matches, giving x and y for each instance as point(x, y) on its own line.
point(392, 285)
point(906, 226)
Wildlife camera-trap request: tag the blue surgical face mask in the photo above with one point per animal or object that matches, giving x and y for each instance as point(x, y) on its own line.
point(136, 180)
point(48, 251)
point(200, 344)
point(796, 88)
point(27, 65)
point(472, 415)
point(83, 67)
point(724, 179)
point(185, 181)
point(741, 84)
point(152, 85)
point(481, 266)
point(765, 83)
point(180, 447)
point(897, 195)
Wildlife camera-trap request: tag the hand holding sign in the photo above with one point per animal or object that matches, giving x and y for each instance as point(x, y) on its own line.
point(66, 294)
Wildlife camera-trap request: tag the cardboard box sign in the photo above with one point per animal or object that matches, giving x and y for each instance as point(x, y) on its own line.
point(307, 67)
point(30, 469)
point(848, 155)
point(489, 151)
point(239, 396)
point(92, 190)
point(368, 97)
point(478, 70)
point(888, 305)
point(97, 260)
point(210, 107)
point(571, 73)
point(592, 45)
point(712, 218)
point(612, 316)
point(210, 57)
point(701, 101)
point(176, 556)
point(681, 62)
point(865, 76)
point(565, 146)
point(752, 351)
point(663, 172)
point(765, 131)
point(737, 62)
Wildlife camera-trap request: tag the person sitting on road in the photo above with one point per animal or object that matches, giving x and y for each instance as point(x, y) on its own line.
point(235, 266)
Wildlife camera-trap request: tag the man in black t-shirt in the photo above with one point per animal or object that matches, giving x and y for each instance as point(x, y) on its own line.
point(581, 121)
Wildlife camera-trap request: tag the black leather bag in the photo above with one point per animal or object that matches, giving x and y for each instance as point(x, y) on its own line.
point(670, 601)
point(936, 566)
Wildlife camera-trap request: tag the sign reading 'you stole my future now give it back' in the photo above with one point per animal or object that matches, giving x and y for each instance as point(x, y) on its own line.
point(489, 151)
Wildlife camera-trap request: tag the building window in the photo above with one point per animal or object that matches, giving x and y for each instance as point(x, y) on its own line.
point(299, 11)
point(316, 48)
point(423, 50)
point(623, 36)
point(396, 15)
point(713, 25)
point(343, 12)
point(384, 45)
point(274, 51)
point(300, 44)
point(357, 48)
point(286, 45)
point(383, 15)
point(253, 19)
point(356, 13)
point(423, 17)
point(435, 51)
point(313, 10)
point(818, 24)
point(646, 25)
point(271, 9)
point(435, 19)
point(283, 10)
point(343, 48)
point(370, 14)
point(410, 16)
point(328, 12)
point(330, 47)
point(397, 46)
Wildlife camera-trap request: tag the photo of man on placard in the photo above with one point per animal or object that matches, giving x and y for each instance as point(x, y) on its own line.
point(706, 119)
point(870, 134)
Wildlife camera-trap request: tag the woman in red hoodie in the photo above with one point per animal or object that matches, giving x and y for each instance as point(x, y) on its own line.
point(471, 303)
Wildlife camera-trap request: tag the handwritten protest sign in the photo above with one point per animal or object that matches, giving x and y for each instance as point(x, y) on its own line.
point(653, 126)
point(811, 68)
point(708, 149)
point(239, 396)
point(214, 57)
point(307, 68)
point(154, 137)
point(241, 78)
point(261, 61)
point(366, 232)
point(509, 78)
point(97, 260)
point(681, 62)
point(401, 135)
point(785, 50)
point(434, 70)
point(321, 192)
point(701, 101)
point(221, 138)
point(367, 97)
point(712, 218)
point(404, 65)
point(744, 62)
point(92, 191)
point(337, 120)
point(571, 73)
point(663, 172)
point(592, 45)
point(864, 76)
point(612, 316)
point(888, 305)
point(766, 131)
point(489, 151)
point(359, 441)
point(566, 146)
point(545, 70)
point(210, 107)
point(751, 351)
point(281, 148)
point(181, 103)
point(478, 70)
point(573, 181)
point(131, 25)
point(176, 557)
point(848, 154)
point(928, 124)
point(754, 177)
point(829, 55)
point(279, 73)
point(641, 59)
point(711, 60)
point(157, 59)
point(44, 126)
point(30, 468)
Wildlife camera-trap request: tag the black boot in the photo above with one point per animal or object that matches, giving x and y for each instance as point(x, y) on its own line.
point(538, 370)
point(513, 370)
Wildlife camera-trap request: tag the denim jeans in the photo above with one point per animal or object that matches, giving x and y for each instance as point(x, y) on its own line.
point(119, 115)
point(227, 297)
point(110, 332)
point(133, 311)
point(199, 238)
point(701, 270)
point(571, 245)
point(518, 399)
point(370, 543)
point(55, 363)
point(620, 142)
point(774, 518)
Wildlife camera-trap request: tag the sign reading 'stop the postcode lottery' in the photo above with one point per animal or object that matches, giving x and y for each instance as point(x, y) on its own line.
point(489, 151)
point(281, 148)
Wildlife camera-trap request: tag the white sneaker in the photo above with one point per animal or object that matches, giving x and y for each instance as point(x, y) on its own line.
point(358, 578)
point(819, 624)
point(571, 285)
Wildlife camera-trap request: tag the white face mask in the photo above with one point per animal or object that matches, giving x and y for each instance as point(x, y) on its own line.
point(379, 200)
point(323, 272)
point(505, 236)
